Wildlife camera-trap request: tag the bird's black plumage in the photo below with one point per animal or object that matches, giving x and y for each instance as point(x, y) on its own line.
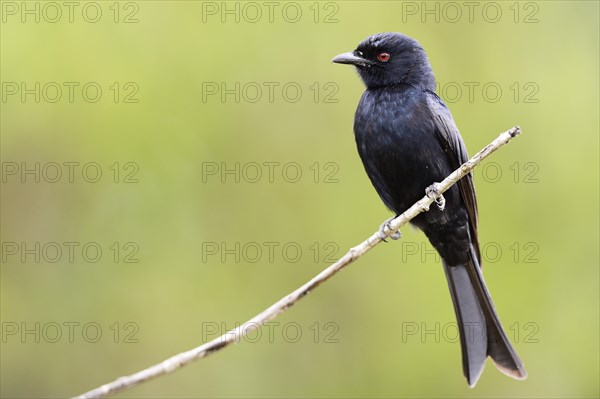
point(407, 140)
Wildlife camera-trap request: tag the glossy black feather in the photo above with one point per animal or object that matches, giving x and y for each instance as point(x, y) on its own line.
point(407, 140)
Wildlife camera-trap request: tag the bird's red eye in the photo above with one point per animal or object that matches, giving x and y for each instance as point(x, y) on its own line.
point(383, 57)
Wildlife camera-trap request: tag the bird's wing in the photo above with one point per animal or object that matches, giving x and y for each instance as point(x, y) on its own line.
point(455, 149)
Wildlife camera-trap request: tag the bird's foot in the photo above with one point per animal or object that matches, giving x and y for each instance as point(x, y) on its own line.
point(433, 192)
point(394, 235)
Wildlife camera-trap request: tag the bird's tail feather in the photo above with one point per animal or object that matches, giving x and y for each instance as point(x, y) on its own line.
point(481, 333)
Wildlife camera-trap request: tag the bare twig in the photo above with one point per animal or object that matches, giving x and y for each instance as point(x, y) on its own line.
point(233, 336)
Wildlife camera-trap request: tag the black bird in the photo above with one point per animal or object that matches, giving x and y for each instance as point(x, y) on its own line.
point(407, 140)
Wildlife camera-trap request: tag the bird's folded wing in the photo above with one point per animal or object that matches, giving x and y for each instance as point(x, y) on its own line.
point(456, 151)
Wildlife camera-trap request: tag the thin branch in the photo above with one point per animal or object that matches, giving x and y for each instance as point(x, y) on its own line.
point(173, 363)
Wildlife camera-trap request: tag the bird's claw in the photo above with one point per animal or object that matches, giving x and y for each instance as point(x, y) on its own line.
point(433, 192)
point(394, 235)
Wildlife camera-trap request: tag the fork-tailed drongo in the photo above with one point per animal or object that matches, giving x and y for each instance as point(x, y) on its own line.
point(407, 140)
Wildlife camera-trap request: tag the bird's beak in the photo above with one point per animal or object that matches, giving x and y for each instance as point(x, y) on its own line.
point(350, 58)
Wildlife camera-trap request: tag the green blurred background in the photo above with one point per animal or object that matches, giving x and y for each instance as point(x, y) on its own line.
point(163, 220)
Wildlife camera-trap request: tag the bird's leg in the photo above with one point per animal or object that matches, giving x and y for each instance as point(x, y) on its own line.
point(386, 226)
point(433, 192)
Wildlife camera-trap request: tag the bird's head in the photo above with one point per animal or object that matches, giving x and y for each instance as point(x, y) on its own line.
point(387, 59)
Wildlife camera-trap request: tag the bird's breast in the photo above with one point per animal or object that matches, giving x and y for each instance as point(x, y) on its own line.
point(392, 117)
point(397, 143)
